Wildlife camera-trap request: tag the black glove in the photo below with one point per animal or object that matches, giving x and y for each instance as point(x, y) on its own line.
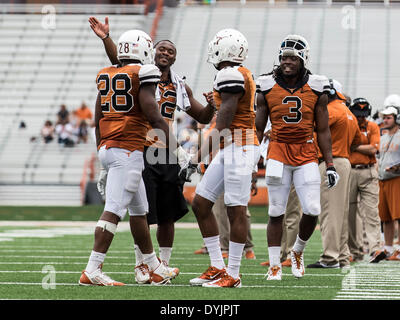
point(187, 170)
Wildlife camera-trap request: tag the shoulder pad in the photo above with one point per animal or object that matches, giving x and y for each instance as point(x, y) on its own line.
point(318, 83)
point(265, 83)
point(229, 78)
point(149, 73)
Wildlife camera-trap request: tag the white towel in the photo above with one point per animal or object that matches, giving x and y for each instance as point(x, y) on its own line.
point(264, 144)
point(182, 99)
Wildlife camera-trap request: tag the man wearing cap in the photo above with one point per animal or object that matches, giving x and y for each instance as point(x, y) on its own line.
point(389, 183)
point(335, 203)
point(364, 187)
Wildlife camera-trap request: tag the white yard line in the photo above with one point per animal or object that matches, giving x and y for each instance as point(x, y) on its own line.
point(371, 281)
point(123, 224)
point(182, 273)
point(170, 285)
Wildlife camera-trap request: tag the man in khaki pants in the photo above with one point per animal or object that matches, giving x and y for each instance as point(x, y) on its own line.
point(335, 202)
point(364, 189)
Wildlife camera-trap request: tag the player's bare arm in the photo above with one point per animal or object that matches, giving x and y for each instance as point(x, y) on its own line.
point(224, 119)
point(97, 116)
point(322, 128)
point(261, 116)
point(102, 31)
point(197, 111)
point(152, 112)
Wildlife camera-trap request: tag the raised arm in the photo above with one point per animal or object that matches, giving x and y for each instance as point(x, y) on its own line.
point(103, 32)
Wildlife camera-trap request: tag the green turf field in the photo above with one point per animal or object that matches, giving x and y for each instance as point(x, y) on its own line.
point(92, 213)
point(45, 262)
point(22, 261)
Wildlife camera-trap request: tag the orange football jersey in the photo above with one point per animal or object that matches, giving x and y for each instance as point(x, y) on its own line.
point(291, 113)
point(239, 78)
point(123, 124)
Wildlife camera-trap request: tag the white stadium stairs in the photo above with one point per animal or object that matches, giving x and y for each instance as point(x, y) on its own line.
point(43, 68)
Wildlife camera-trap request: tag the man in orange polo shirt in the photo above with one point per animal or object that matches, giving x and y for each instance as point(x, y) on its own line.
point(335, 203)
point(364, 184)
point(83, 113)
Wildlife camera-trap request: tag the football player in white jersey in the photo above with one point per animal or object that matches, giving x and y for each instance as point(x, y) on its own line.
point(231, 169)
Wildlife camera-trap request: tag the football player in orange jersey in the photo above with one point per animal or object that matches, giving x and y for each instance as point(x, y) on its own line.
point(125, 104)
point(296, 102)
point(230, 170)
point(164, 188)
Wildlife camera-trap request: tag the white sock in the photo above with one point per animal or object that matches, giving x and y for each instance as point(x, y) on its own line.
point(389, 249)
point(165, 254)
point(235, 257)
point(95, 260)
point(274, 256)
point(299, 245)
point(214, 251)
point(151, 260)
point(138, 255)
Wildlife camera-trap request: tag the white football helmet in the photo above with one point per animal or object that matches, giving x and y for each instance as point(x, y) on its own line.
point(136, 45)
point(295, 45)
point(392, 100)
point(227, 45)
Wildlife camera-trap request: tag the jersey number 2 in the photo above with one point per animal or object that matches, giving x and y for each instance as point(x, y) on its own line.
point(294, 110)
point(121, 99)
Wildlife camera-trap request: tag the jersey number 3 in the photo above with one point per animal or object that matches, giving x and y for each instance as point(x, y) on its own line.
point(121, 99)
point(295, 113)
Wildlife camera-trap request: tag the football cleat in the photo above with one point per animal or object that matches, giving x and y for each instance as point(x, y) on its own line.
point(142, 274)
point(378, 256)
point(175, 271)
point(163, 274)
point(395, 256)
point(249, 254)
point(224, 281)
point(274, 273)
point(265, 263)
point(320, 265)
point(202, 250)
point(297, 263)
point(286, 263)
point(225, 254)
point(97, 278)
point(211, 274)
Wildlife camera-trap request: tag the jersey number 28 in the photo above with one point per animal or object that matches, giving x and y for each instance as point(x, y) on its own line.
point(121, 99)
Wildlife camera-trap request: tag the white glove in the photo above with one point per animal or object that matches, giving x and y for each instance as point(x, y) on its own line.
point(185, 162)
point(182, 155)
point(332, 177)
point(101, 182)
